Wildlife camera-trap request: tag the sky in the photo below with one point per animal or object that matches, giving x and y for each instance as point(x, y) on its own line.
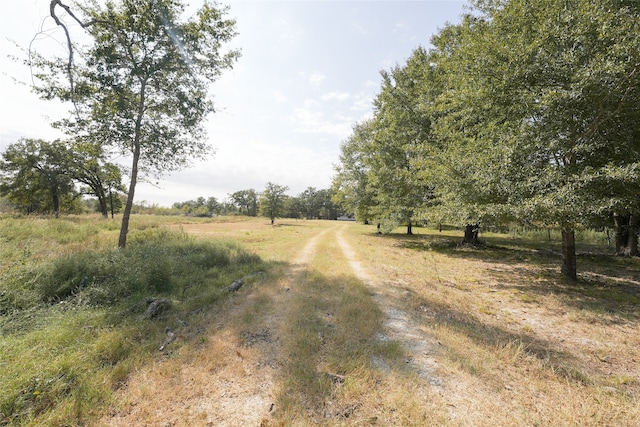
point(308, 73)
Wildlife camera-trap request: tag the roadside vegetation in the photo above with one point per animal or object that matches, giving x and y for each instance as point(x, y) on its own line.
point(73, 308)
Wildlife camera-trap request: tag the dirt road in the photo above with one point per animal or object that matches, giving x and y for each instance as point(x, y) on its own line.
point(233, 377)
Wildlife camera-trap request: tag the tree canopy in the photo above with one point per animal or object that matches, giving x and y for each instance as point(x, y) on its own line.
point(522, 111)
point(141, 86)
point(272, 201)
point(34, 176)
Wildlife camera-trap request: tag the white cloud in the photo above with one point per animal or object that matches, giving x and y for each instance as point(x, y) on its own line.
point(337, 96)
point(316, 78)
point(280, 96)
point(311, 118)
point(286, 31)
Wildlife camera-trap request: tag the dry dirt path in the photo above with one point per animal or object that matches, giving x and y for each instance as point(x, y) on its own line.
point(418, 343)
point(232, 378)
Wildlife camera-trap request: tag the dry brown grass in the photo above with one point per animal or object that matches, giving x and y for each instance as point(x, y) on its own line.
point(509, 341)
point(520, 345)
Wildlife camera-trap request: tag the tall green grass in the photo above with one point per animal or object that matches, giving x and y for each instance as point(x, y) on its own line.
point(70, 325)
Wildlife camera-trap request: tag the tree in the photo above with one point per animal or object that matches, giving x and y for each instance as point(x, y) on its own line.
point(246, 201)
point(272, 201)
point(86, 165)
point(35, 177)
point(327, 209)
point(401, 141)
point(350, 185)
point(213, 206)
point(382, 172)
point(544, 94)
point(141, 87)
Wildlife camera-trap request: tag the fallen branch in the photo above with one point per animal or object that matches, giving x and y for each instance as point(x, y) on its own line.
point(155, 307)
point(171, 336)
point(237, 284)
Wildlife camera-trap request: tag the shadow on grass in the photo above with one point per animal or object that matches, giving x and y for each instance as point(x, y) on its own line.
point(606, 285)
point(493, 338)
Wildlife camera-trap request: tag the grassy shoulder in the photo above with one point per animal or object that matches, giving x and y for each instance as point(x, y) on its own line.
point(72, 309)
point(523, 345)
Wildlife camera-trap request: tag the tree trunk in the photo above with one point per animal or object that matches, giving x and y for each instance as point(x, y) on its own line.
point(626, 234)
point(56, 204)
point(409, 229)
point(632, 240)
point(471, 234)
point(104, 209)
point(569, 253)
point(124, 228)
point(111, 201)
point(621, 223)
point(126, 215)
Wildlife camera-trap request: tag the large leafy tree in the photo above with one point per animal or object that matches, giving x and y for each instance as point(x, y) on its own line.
point(383, 171)
point(401, 141)
point(86, 165)
point(35, 175)
point(141, 86)
point(246, 201)
point(272, 201)
point(546, 94)
point(470, 159)
point(350, 184)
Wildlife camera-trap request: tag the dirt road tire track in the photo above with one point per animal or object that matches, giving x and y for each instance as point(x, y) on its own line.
point(236, 389)
point(230, 383)
point(419, 344)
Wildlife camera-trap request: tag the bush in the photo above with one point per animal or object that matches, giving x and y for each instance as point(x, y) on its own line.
point(156, 261)
point(65, 276)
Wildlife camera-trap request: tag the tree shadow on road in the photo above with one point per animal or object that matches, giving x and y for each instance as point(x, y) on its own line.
point(606, 285)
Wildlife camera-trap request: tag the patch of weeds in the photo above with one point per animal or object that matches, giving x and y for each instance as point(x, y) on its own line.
point(463, 361)
point(571, 373)
point(624, 380)
point(70, 335)
point(112, 347)
point(526, 297)
point(485, 310)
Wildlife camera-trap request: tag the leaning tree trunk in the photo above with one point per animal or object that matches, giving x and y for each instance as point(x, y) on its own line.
point(569, 268)
point(126, 215)
point(124, 228)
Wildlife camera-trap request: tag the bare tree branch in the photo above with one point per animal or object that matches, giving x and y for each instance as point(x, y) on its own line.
point(52, 12)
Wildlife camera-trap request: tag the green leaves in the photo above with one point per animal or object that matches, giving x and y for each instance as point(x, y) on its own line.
point(141, 87)
point(524, 110)
point(272, 200)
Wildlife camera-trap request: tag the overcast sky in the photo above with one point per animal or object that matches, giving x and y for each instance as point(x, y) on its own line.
point(309, 71)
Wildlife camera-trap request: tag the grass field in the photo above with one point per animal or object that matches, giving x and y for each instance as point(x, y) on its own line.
point(309, 339)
